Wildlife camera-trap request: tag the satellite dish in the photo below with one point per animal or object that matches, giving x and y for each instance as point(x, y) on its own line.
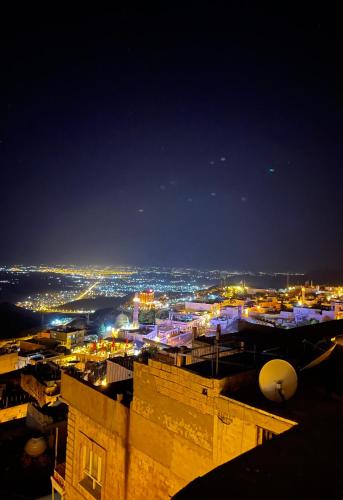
point(35, 446)
point(278, 380)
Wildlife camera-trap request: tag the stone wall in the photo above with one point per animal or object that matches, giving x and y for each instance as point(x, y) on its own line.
point(8, 362)
point(178, 427)
point(103, 421)
point(181, 421)
point(13, 413)
point(38, 390)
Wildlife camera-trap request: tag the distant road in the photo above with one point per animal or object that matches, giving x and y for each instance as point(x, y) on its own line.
point(79, 297)
point(86, 292)
point(67, 311)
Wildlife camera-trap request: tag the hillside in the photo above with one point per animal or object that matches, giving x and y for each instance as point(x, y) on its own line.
point(94, 304)
point(15, 321)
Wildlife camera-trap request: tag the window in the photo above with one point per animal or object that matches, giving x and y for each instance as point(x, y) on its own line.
point(263, 435)
point(91, 467)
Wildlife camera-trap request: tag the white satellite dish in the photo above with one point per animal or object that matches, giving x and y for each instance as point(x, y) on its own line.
point(278, 380)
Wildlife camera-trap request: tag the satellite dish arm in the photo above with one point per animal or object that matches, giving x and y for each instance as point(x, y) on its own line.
point(280, 391)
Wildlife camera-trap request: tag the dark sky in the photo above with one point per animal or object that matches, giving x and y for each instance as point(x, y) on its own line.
point(193, 137)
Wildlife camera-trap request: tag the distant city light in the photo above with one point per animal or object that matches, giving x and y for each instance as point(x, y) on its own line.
point(60, 321)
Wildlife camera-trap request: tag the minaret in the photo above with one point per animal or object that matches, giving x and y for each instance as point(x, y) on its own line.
point(135, 323)
point(171, 314)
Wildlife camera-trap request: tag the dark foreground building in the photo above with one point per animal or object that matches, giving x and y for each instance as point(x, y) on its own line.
point(186, 415)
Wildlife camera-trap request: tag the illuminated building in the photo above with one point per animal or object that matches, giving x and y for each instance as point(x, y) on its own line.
point(174, 430)
point(211, 306)
point(121, 321)
point(147, 297)
point(303, 314)
point(68, 336)
point(337, 306)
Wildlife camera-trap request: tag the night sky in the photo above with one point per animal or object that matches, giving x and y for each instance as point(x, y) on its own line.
point(201, 137)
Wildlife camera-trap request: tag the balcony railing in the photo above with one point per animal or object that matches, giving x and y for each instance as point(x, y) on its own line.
point(59, 476)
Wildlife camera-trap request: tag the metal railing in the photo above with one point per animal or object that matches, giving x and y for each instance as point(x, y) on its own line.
point(59, 474)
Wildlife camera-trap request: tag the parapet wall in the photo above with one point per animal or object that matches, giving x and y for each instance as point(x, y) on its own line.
point(13, 413)
point(8, 362)
point(179, 427)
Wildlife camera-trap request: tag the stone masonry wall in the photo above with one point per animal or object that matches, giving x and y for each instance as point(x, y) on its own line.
point(181, 421)
point(179, 427)
point(13, 413)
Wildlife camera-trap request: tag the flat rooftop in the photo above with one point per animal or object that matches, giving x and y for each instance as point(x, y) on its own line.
point(206, 301)
point(123, 387)
point(112, 390)
point(288, 341)
point(66, 329)
point(228, 366)
point(259, 333)
point(318, 392)
point(43, 372)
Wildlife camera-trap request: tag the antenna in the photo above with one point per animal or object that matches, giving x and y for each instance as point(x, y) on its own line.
point(218, 332)
point(278, 380)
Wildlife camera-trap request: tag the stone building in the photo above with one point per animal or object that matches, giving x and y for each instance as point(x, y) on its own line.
point(67, 336)
point(42, 382)
point(8, 361)
point(150, 436)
